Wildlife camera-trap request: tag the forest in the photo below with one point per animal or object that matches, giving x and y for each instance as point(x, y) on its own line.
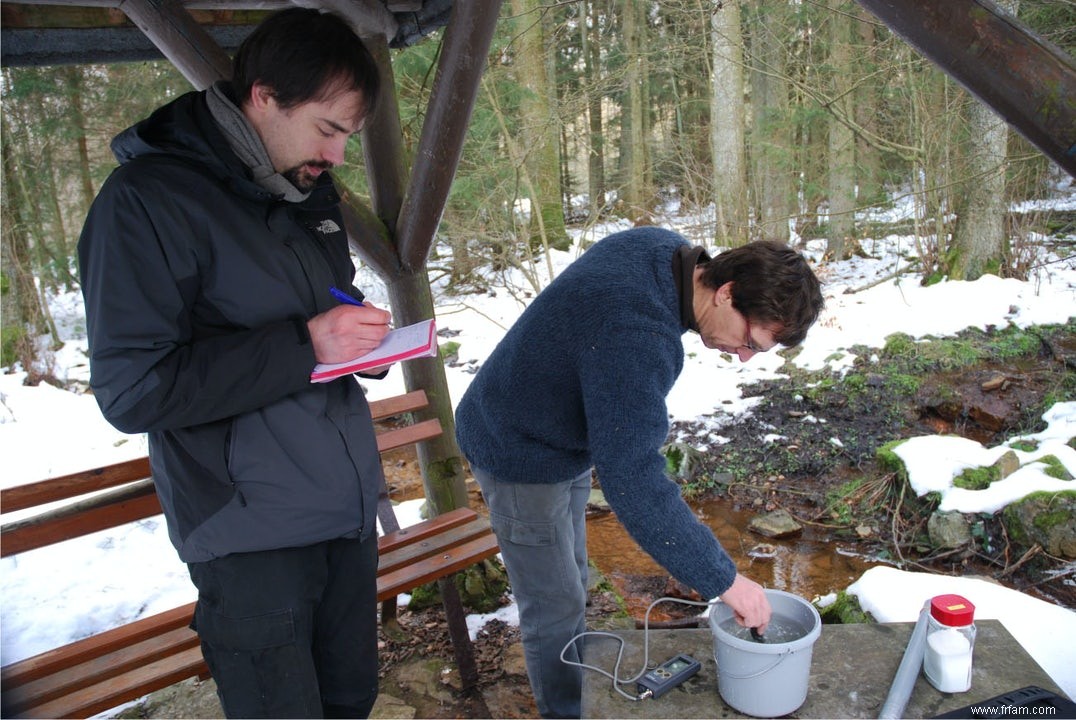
point(783, 119)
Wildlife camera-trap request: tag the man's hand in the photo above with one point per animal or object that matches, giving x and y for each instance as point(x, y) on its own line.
point(347, 332)
point(748, 601)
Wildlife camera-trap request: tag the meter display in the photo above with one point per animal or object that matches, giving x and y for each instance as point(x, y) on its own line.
point(668, 675)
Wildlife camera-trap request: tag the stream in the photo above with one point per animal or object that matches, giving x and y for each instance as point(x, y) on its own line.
point(807, 565)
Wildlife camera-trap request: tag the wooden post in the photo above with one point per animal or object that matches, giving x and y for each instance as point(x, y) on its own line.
point(1028, 81)
point(459, 71)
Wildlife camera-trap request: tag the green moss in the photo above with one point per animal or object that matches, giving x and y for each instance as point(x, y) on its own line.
point(1055, 468)
point(1011, 518)
point(899, 345)
point(449, 350)
point(1045, 521)
point(844, 610)
point(977, 478)
point(889, 460)
point(904, 384)
point(839, 504)
point(674, 459)
point(10, 337)
point(934, 278)
point(1024, 445)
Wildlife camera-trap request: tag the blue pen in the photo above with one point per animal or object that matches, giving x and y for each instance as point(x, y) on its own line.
point(344, 297)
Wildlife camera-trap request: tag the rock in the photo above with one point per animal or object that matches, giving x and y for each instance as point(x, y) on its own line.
point(423, 675)
point(776, 524)
point(682, 462)
point(763, 551)
point(1007, 464)
point(948, 530)
point(1048, 519)
point(676, 589)
point(387, 707)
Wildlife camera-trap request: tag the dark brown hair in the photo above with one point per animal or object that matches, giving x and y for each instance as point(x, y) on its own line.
point(772, 285)
point(305, 55)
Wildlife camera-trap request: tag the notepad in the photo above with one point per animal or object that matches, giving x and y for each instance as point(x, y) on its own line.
point(406, 343)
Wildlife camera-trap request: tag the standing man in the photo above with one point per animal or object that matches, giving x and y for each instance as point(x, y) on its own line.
point(580, 381)
point(206, 264)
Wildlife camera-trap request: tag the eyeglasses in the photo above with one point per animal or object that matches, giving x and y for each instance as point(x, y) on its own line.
point(748, 341)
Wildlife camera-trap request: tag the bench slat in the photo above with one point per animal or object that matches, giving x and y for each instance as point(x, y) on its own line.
point(441, 565)
point(65, 487)
point(408, 435)
point(444, 540)
point(129, 504)
point(398, 404)
point(421, 530)
point(55, 660)
point(132, 685)
point(99, 669)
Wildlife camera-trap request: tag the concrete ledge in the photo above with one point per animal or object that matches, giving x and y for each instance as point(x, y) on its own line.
point(852, 668)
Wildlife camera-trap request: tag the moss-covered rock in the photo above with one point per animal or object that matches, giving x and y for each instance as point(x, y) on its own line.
point(844, 610)
point(948, 530)
point(481, 588)
point(1047, 519)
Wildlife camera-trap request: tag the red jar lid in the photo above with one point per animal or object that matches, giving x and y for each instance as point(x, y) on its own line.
point(952, 610)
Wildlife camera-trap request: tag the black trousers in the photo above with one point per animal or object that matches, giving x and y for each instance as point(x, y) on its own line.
point(291, 633)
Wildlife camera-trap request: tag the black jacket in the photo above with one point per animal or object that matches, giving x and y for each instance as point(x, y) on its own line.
point(198, 285)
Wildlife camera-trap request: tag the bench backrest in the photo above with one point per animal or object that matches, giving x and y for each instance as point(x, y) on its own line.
point(123, 492)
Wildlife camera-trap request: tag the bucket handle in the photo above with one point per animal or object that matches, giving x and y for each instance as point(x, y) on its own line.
point(780, 659)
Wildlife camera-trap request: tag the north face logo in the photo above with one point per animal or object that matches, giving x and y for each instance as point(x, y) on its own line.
point(327, 226)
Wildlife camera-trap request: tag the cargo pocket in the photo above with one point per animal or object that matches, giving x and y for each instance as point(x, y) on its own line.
point(258, 664)
point(532, 534)
point(250, 633)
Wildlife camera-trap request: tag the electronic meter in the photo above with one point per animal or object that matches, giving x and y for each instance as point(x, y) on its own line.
point(668, 675)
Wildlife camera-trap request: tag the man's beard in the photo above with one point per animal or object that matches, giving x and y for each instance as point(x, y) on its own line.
point(300, 177)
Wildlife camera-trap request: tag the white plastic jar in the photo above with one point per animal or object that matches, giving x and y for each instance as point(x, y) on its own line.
point(947, 659)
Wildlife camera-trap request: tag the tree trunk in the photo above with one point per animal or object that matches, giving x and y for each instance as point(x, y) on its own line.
point(636, 192)
point(842, 158)
point(727, 115)
point(540, 133)
point(73, 76)
point(22, 317)
point(591, 40)
point(442, 468)
point(771, 142)
point(868, 163)
point(978, 245)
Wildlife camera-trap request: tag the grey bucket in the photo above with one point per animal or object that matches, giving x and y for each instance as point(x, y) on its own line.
point(766, 679)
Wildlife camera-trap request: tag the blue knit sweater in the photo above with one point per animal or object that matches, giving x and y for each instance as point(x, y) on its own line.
point(580, 380)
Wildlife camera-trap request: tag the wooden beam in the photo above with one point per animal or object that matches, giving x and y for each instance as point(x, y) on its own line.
point(1028, 81)
point(182, 40)
point(459, 71)
point(368, 18)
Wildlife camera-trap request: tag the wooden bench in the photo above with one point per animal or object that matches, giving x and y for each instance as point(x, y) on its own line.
point(100, 672)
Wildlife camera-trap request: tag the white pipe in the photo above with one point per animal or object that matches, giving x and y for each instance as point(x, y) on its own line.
point(904, 680)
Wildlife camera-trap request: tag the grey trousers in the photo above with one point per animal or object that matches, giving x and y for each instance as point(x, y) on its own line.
point(541, 529)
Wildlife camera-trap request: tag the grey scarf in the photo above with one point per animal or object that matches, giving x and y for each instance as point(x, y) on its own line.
point(247, 145)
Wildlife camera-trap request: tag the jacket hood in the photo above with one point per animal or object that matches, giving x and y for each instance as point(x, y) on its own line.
point(184, 129)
